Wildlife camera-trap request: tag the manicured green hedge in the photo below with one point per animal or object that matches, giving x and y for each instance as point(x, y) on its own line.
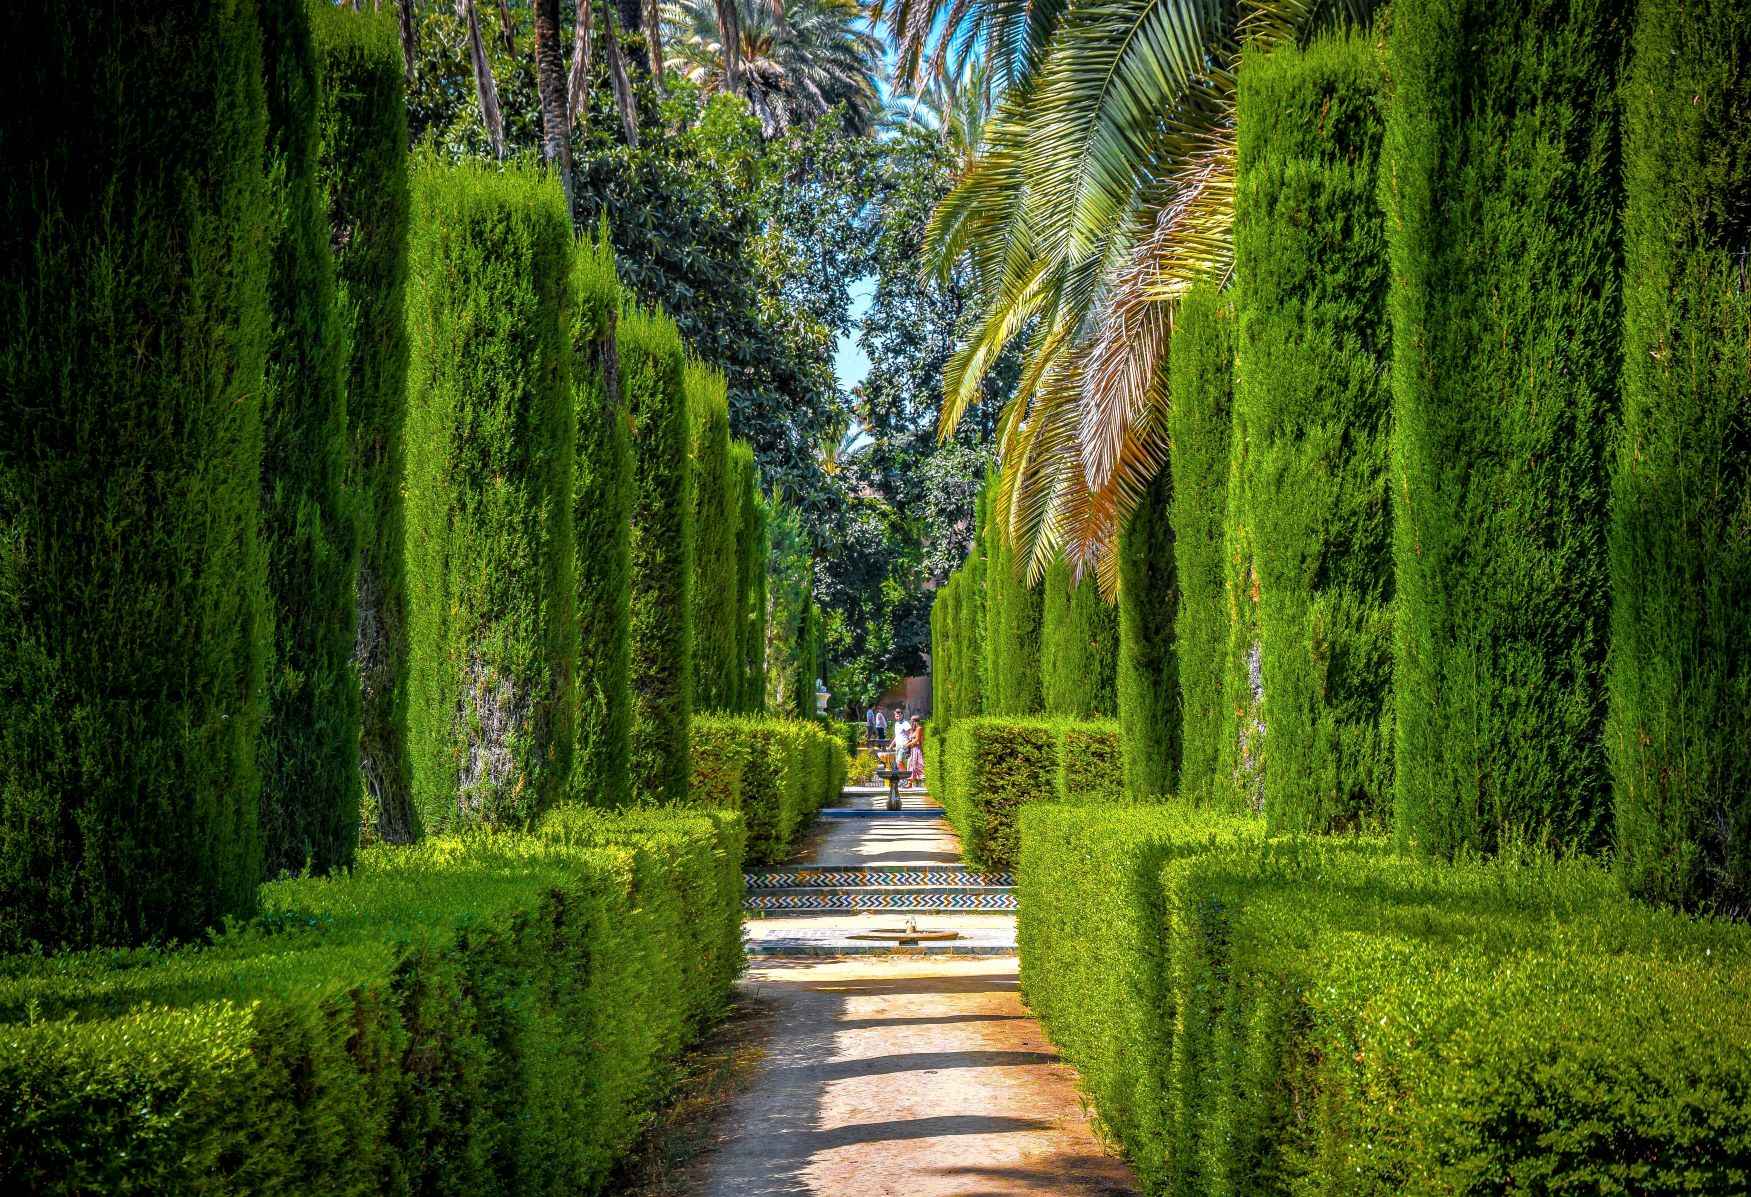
point(1148, 670)
point(1501, 183)
point(1679, 731)
point(1079, 647)
point(363, 137)
point(1241, 760)
point(602, 523)
point(489, 1014)
point(751, 551)
point(1200, 427)
point(1091, 764)
point(1013, 611)
point(794, 767)
point(719, 752)
point(717, 525)
point(133, 619)
point(1312, 386)
point(986, 768)
point(309, 754)
point(652, 363)
point(490, 548)
point(1330, 1017)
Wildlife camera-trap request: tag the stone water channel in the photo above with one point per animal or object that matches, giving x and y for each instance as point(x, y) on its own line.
point(896, 1071)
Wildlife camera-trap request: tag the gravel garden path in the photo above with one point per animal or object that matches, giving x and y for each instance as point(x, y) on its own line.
point(901, 1075)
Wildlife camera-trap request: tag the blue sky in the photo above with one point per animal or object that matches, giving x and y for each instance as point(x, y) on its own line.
point(849, 362)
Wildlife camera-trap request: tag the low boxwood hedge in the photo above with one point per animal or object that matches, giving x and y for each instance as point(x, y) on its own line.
point(793, 767)
point(720, 752)
point(1254, 1016)
point(495, 1013)
point(990, 766)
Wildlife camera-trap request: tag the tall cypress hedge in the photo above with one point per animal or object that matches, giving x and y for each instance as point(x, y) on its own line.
point(601, 511)
point(1079, 647)
point(491, 551)
point(742, 477)
point(652, 363)
point(808, 661)
point(756, 552)
point(1679, 731)
point(133, 618)
point(1241, 763)
point(1148, 668)
point(364, 169)
point(716, 524)
point(1013, 613)
point(1501, 184)
point(1200, 429)
point(1312, 385)
point(310, 744)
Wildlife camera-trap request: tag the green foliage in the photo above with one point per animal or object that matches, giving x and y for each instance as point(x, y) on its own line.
point(1200, 428)
point(794, 767)
point(652, 366)
point(1312, 388)
point(1240, 762)
point(491, 551)
point(1328, 1017)
point(363, 139)
point(1094, 966)
point(1079, 647)
point(991, 767)
point(718, 758)
point(602, 523)
point(1679, 730)
point(747, 674)
point(1501, 183)
point(1013, 613)
point(133, 620)
point(490, 1014)
point(1148, 668)
point(309, 754)
point(789, 584)
point(716, 528)
point(1091, 764)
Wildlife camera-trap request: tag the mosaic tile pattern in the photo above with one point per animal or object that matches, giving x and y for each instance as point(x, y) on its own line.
point(941, 876)
point(917, 900)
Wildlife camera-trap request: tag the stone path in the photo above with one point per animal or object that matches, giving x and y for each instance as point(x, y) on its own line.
point(900, 1075)
point(905, 1077)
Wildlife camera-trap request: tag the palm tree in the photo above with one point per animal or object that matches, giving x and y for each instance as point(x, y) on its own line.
point(792, 62)
point(950, 110)
point(1102, 189)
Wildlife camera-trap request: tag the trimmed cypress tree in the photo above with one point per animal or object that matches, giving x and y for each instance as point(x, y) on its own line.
point(1679, 731)
point(1312, 384)
point(808, 662)
point(133, 614)
point(491, 551)
point(970, 628)
point(652, 364)
point(716, 524)
point(1201, 431)
point(1148, 668)
point(741, 467)
point(601, 515)
point(310, 742)
point(363, 138)
point(1013, 614)
point(1079, 647)
point(1241, 764)
point(1501, 183)
point(758, 551)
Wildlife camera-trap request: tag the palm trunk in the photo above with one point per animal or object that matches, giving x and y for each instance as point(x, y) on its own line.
point(729, 35)
point(653, 38)
point(632, 21)
point(409, 36)
point(484, 86)
point(623, 97)
point(577, 89)
point(507, 28)
point(550, 81)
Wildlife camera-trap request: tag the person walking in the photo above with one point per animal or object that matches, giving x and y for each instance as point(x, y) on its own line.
point(902, 738)
point(878, 728)
point(915, 758)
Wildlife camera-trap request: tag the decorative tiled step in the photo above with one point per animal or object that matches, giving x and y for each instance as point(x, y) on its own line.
point(836, 876)
point(962, 899)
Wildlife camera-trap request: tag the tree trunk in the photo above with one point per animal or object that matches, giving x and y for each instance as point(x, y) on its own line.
point(653, 38)
point(409, 36)
point(550, 81)
point(578, 86)
point(631, 14)
point(729, 34)
point(507, 28)
point(484, 86)
point(623, 97)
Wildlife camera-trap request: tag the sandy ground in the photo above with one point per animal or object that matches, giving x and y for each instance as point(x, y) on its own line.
point(897, 1077)
point(900, 840)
